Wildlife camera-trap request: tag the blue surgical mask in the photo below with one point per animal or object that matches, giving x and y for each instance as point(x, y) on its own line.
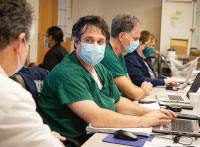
point(20, 66)
point(92, 54)
point(133, 46)
point(46, 44)
point(148, 51)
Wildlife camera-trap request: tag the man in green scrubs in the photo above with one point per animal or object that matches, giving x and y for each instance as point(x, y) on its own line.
point(79, 91)
point(125, 34)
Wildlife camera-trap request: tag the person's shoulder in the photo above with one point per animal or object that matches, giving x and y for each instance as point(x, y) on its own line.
point(62, 48)
point(109, 56)
point(132, 57)
point(108, 49)
point(12, 92)
point(69, 67)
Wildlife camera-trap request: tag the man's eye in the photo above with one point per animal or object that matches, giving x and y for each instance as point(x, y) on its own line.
point(101, 42)
point(89, 41)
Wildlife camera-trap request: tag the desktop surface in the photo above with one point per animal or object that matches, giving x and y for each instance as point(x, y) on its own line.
point(96, 139)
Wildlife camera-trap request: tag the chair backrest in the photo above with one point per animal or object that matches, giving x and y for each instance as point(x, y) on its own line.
point(31, 79)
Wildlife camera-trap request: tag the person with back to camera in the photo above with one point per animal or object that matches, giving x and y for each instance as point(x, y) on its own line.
point(125, 33)
point(139, 66)
point(84, 92)
point(20, 124)
point(52, 40)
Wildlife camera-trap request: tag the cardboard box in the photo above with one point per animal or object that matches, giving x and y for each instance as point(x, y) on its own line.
point(180, 46)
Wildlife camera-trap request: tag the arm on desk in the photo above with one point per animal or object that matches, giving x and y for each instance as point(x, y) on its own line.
point(132, 91)
point(127, 107)
point(100, 117)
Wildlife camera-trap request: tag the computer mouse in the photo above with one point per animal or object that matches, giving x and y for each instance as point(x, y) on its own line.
point(125, 135)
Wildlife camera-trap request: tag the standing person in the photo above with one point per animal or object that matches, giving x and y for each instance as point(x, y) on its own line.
point(139, 66)
point(20, 124)
point(52, 40)
point(84, 92)
point(125, 34)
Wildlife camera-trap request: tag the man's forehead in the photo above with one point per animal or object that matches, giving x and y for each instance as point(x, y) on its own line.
point(90, 30)
point(136, 30)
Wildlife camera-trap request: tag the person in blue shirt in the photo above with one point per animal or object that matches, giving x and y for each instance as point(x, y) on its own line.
point(139, 65)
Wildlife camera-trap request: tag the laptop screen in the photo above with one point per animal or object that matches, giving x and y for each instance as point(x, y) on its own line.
point(195, 85)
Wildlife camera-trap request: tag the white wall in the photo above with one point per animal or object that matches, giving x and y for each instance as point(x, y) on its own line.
point(34, 38)
point(148, 11)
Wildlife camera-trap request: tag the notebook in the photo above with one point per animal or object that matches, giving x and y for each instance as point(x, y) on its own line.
point(179, 126)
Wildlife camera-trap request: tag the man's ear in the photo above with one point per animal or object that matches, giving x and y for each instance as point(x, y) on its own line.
point(121, 36)
point(76, 40)
point(50, 37)
point(19, 43)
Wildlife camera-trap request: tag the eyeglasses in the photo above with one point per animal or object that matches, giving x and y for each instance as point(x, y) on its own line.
point(45, 36)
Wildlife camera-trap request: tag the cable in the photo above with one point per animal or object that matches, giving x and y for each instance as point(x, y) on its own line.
point(175, 138)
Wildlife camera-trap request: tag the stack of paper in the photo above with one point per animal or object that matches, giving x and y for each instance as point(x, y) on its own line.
point(138, 131)
point(151, 105)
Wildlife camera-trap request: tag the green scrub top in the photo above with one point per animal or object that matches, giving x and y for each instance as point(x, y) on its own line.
point(70, 82)
point(115, 64)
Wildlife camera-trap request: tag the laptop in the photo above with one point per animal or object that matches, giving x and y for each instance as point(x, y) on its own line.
point(176, 98)
point(184, 127)
point(195, 85)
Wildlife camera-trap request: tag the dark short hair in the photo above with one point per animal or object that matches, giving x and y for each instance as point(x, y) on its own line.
point(15, 18)
point(123, 23)
point(97, 21)
point(56, 33)
point(145, 36)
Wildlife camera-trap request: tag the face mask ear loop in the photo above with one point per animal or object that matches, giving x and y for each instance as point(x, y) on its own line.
point(79, 41)
point(25, 45)
point(18, 61)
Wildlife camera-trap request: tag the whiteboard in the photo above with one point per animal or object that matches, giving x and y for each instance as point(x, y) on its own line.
point(176, 23)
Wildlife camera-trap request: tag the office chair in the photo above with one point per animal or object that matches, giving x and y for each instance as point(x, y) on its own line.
point(31, 79)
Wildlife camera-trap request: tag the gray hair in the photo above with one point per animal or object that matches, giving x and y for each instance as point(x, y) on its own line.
point(16, 17)
point(123, 23)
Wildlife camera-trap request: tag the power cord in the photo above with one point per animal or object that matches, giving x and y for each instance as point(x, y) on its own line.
point(176, 138)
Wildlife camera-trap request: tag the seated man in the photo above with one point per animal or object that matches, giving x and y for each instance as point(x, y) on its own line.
point(79, 91)
point(139, 66)
point(125, 34)
point(20, 124)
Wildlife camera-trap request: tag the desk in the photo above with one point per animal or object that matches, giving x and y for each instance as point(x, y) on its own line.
point(96, 139)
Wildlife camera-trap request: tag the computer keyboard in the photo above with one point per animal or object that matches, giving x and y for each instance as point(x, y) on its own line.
point(175, 98)
point(181, 125)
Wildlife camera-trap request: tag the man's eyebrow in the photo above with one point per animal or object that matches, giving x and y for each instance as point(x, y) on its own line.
point(90, 37)
point(102, 39)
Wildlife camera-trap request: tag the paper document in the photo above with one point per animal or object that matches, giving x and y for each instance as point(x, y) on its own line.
point(151, 105)
point(138, 131)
